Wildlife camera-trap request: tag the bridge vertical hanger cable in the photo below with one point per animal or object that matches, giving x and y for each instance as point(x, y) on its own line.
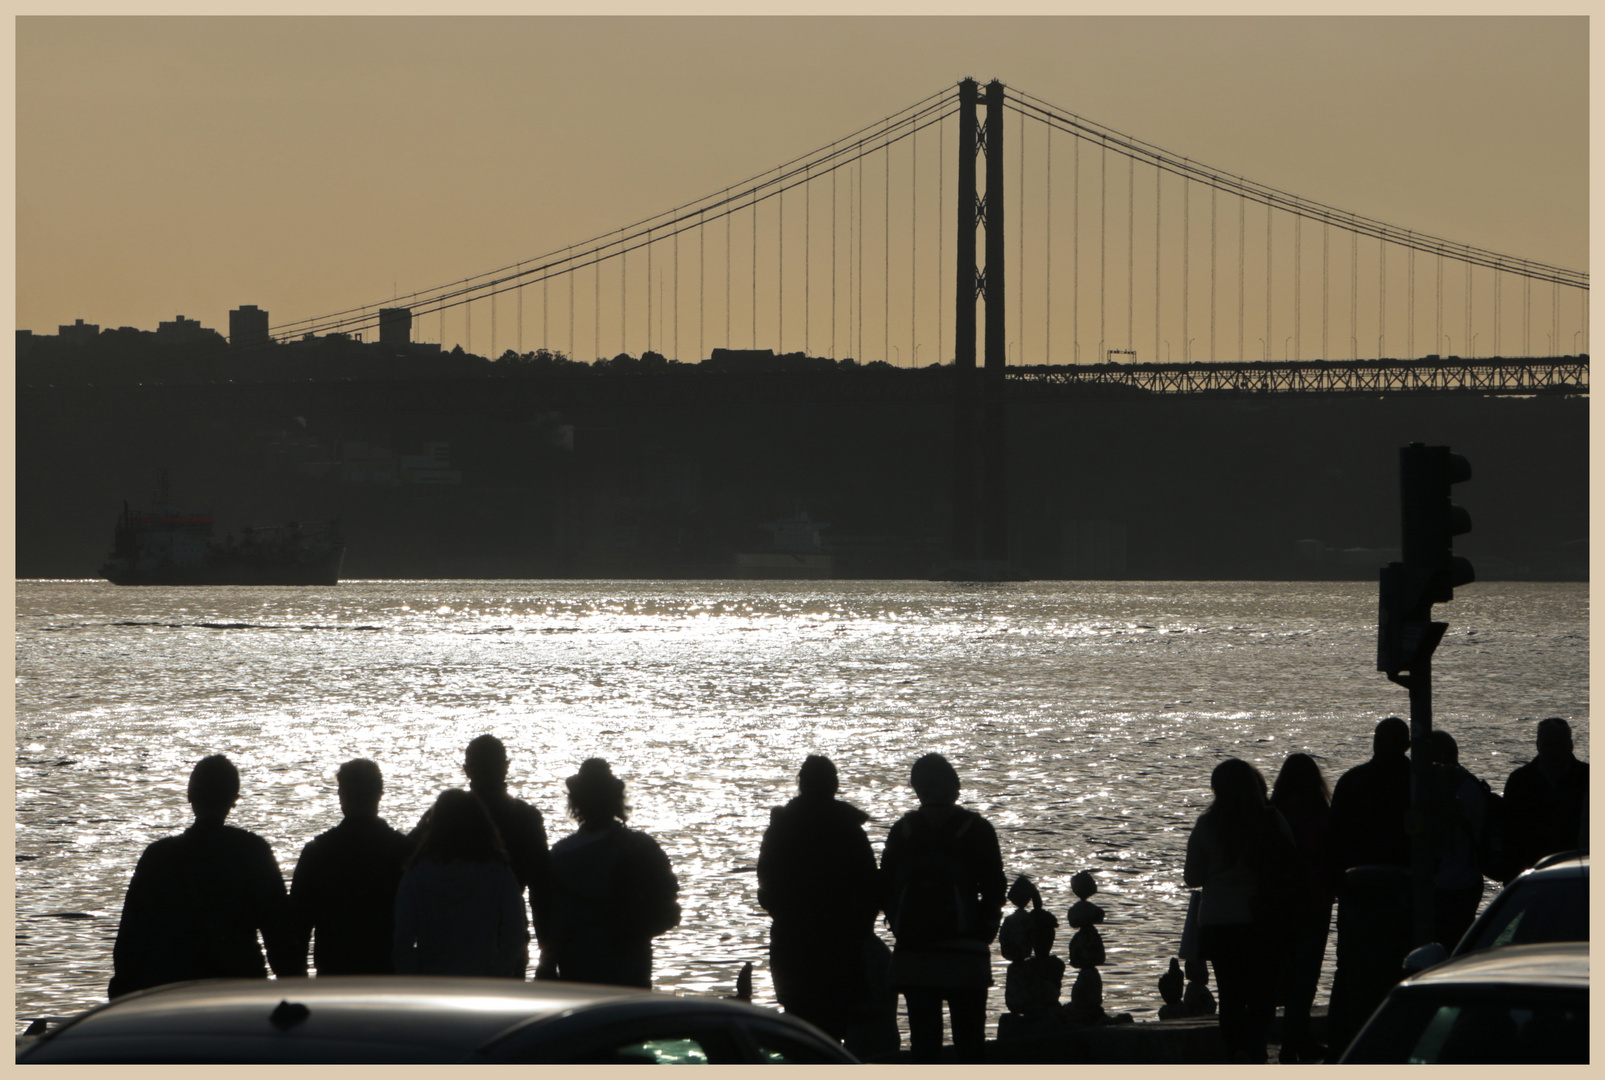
point(752, 329)
point(1212, 264)
point(1103, 248)
point(1298, 288)
point(677, 297)
point(886, 264)
point(1019, 242)
point(1354, 293)
point(1437, 337)
point(1242, 247)
point(1186, 267)
point(649, 295)
point(493, 326)
point(1326, 267)
point(521, 314)
point(1265, 343)
point(1382, 297)
point(1131, 254)
point(1159, 191)
point(1470, 343)
point(624, 288)
point(1410, 310)
point(1047, 285)
point(1527, 316)
point(780, 274)
point(941, 173)
point(571, 275)
point(468, 327)
point(1499, 349)
point(913, 244)
point(808, 242)
point(1075, 252)
point(833, 229)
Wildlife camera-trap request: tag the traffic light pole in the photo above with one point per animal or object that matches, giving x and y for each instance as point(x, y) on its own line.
point(1407, 637)
point(1422, 823)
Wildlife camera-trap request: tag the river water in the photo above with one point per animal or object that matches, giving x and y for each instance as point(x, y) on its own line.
point(1083, 718)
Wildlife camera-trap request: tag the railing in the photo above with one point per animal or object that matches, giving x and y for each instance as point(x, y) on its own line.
point(1561, 375)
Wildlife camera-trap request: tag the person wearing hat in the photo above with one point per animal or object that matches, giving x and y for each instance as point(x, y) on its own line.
point(943, 891)
point(613, 890)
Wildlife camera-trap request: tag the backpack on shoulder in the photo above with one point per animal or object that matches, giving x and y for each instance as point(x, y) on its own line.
point(933, 893)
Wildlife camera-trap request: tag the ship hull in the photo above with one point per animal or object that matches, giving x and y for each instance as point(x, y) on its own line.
point(323, 569)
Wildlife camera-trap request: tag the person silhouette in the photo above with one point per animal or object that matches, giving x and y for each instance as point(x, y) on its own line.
point(459, 909)
point(343, 891)
point(197, 901)
point(1242, 855)
point(1371, 804)
point(522, 831)
point(613, 890)
point(1461, 803)
point(1546, 800)
point(943, 888)
point(1305, 802)
point(817, 880)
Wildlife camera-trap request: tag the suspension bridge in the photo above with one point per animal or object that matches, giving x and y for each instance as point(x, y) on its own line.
point(1125, 262)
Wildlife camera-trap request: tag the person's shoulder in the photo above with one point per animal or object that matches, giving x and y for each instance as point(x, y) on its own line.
point(849, 814)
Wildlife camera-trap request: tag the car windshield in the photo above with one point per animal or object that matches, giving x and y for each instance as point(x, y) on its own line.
point(1534, 912)
point(1516, 1028)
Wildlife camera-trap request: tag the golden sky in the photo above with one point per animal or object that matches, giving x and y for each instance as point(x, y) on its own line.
point(306, 165)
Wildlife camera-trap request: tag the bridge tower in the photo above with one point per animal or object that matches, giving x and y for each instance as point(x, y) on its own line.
point(980, 473)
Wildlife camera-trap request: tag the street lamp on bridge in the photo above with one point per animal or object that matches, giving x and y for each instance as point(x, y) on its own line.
point(1287, 348)
point(1472, 348)
point(1264, 351)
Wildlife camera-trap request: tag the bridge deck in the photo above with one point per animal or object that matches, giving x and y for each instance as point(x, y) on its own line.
point(1558, 375)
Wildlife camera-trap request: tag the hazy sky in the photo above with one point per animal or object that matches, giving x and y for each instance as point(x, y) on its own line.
point(189, 165)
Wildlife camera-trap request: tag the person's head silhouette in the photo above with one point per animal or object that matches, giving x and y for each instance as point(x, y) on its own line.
point(595, 795)
point(1391, 738)
point(361, 785)
point(817, 778)
point(1554, 739)
point(214, 788)
point(485, 763)
point(935, 781)
point(460, 828)
point(1238, 787)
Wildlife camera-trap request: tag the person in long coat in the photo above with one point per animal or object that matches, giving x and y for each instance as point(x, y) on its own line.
point(817, 879)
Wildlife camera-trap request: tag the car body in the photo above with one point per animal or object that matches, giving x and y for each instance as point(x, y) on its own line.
point(426, 1020)
point(1547, 903)
point(1516, 1004)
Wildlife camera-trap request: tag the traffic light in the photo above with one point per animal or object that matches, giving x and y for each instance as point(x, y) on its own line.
point(1406, 634)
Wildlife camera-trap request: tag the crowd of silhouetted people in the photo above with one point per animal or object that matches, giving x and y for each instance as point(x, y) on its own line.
point(463, 891)
point(1270, 861)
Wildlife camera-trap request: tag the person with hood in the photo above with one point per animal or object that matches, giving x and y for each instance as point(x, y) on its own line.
point(613, 890)
point(817, 880)
point(459, 909)
point(942, 889)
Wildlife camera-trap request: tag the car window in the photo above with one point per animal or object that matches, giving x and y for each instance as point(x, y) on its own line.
point(1538, 911)
point(1514, 1029)
point(682, 1050)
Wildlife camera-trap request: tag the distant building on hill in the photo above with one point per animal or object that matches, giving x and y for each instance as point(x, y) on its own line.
point(248, 325)
point(395, 326)
point(78, 331)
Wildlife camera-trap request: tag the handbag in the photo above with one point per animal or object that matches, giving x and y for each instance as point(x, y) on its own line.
point(1188, 949)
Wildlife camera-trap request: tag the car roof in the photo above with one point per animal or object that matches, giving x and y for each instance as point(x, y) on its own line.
point(446, 1018)
point(1556, 964)
point(1564, 864)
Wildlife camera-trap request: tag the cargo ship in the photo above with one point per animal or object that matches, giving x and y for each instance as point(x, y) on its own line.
point(171, 547)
